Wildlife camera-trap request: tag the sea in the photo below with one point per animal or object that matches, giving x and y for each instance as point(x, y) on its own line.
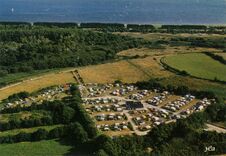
point(115, 11)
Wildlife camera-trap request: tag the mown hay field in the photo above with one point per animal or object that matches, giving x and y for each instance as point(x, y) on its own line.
point(198, 65)
point(107, 73)
point(128, 71)
point(150, 66)
point(38, 83)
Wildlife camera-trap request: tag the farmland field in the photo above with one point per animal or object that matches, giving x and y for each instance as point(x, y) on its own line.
point(110, 72)
point(198, 65)
point(48, 147)
point(150, 67)
point(37, 83)
point(127, 71)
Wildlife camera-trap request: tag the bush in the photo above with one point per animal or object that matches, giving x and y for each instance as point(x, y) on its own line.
point(3, 73)
point(77, 134)
point(17, 96)
point(40, 134)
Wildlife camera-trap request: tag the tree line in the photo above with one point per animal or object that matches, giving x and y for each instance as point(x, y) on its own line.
point(118, 27)
point(181, 138)
point(184, 27)
point(60, 112)
point(25, 50)
point(202, 42)
point(178, 90)
point(73, 132)
point(78, 127)
point(216, 57)
point(17, 96)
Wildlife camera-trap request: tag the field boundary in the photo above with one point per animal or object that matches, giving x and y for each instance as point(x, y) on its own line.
point(216, 57)
point(168, 67)
point(179, 72)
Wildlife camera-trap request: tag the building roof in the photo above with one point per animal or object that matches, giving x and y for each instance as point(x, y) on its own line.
point(134, 104)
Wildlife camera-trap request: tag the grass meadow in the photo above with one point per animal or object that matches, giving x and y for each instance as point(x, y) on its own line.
point(198, 65)
point(40, 148)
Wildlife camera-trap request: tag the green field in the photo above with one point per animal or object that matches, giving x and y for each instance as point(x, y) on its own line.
point(198, 65)
point(41, 148)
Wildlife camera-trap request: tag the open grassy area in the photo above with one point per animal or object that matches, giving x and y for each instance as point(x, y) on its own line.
point(110, 72)
point(150, 67)
point(38, 83)
point(27, 130)
point(40, 148)
point(129, 71)
point(198, 65)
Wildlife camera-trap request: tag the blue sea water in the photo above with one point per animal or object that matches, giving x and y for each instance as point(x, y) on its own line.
point(120, 11)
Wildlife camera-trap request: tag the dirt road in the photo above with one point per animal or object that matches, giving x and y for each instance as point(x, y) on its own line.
point(211, 127)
